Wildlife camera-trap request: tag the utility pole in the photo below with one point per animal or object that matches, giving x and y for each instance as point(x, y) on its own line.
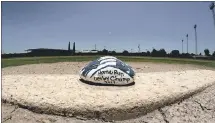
point(195, 26)
point(187, 43)
point(139, 48)
point(69, 47)
point(95, 46)
point(182, 47)
point(212, 9)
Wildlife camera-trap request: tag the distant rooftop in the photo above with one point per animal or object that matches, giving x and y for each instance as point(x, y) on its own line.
point(43, 49)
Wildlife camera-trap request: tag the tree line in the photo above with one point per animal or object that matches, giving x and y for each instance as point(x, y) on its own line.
point(153, 53)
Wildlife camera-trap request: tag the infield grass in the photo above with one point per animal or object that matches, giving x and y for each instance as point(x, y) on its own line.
point(36, 60)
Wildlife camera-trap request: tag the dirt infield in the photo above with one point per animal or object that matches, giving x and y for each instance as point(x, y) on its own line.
point(144, 68)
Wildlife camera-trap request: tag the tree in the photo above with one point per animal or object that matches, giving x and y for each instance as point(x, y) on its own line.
point(175, 53)
point(104, 52)
point(148, 53)
point(214, 54)
point(113, 52)
point(207, 52)
point(200, 54)
point(162, 52)
point(74, 48)
point(125, 52)
point(69, 47)
point(143, 54)
point(154, 52)
point(192, 54)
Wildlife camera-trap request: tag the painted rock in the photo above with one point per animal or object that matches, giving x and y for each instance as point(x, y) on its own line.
point(108, 70)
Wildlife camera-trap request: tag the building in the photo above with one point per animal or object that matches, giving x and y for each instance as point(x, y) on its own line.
point(89, 51)
point(47, 52)
point(51, 52)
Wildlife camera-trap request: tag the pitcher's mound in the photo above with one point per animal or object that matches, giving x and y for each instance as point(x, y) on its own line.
point(64, 94)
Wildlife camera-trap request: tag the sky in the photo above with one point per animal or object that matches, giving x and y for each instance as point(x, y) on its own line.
point(113, 25)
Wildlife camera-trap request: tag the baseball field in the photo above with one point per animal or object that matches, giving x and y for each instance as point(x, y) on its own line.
point(50, 85)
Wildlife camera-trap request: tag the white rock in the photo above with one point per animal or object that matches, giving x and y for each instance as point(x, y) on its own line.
point(108, 70)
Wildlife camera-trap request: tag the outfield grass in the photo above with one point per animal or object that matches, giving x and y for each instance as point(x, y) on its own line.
point(37, 60)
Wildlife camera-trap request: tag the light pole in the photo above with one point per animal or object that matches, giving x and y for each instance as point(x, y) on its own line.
point(187, 43)
point(182, 47)
point(212, 9)
point(195, 26)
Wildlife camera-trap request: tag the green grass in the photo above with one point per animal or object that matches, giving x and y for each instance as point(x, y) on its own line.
point(37, 60)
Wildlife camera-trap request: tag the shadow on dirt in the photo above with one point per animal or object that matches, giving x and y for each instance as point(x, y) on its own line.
point(100, 84)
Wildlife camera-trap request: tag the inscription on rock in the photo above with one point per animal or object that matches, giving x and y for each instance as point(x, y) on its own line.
point(113, 75)
point(111, 72)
